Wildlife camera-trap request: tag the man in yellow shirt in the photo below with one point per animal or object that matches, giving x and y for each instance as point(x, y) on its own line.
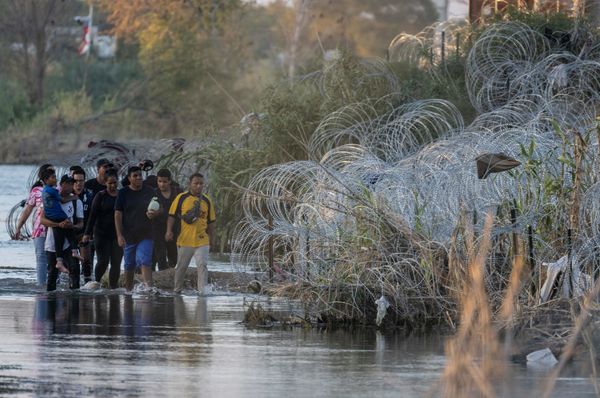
point(195, 213)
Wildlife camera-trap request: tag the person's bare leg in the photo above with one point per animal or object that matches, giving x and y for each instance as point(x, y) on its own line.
point(60, 265)
point(147, 275)
point(128, 280)
point(76, 254)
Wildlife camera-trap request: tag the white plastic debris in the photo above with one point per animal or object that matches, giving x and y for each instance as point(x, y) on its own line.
point(382, 306)
point(541, 359)
point(572, 277)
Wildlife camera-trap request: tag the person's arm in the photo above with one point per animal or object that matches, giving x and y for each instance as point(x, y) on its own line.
point(51, 224)
point(119, 207)
point(79, 224)
point(89, 228)
point(171, 218)
point(119, 227)
point(170, 224)
point(212, 217)
point(22, 220)
point(55, 195)
point(70, 198)
point(210, 231)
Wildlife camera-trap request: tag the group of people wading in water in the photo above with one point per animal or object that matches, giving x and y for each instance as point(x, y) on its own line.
point(146, 223)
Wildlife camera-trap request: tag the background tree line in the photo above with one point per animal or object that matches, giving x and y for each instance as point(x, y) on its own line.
point(183, 67)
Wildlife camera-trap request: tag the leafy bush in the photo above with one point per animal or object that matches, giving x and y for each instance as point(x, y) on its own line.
point(70, 107)
point(101, 79)
point(14, 106)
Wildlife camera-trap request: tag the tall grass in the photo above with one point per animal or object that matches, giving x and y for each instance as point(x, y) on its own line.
point(479, 354)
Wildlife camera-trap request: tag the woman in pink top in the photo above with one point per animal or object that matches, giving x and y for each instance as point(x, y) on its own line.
point(34, 201)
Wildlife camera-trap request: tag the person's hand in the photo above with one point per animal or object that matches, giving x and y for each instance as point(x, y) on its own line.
point(152, 214)
point(85, 239)
point(17, 235)
point(66, 224)
point(121, 241)
point(169, 236)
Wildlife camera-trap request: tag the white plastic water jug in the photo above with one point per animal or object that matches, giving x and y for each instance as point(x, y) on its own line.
point(154, 205)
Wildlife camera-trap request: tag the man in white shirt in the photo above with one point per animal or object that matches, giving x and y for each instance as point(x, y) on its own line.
point(74, 212)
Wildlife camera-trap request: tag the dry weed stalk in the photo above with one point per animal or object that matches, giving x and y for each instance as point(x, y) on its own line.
point(474, 352)
point(476, 360)
point(475, 357)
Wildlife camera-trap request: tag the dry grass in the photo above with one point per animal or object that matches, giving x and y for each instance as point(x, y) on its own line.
point(475, 356)
point(479, 353)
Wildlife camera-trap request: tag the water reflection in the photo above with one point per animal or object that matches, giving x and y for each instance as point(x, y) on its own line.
point(74, 344)
point(194, 343)
point(116, 315)
point(108, 324)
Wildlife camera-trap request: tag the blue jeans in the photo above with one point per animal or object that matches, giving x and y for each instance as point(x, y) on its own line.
point(41, 261)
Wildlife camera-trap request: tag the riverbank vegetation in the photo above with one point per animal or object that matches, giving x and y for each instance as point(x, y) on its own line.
point(378, 205)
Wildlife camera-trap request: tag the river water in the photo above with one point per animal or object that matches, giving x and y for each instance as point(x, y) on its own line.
point(71, 344)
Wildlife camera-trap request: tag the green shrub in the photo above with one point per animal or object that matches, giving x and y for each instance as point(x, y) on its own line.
point(70, 107)
point(14, 106)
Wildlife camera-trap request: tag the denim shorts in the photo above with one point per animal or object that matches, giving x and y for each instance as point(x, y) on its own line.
point(138, 254)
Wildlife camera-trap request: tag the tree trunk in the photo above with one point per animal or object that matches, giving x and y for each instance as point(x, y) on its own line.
point(301, 7)
point(28, 22)
point(39, 72)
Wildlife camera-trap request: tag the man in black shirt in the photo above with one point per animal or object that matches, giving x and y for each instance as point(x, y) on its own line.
point(91, 188)
point(165, 253)
point(134, 226)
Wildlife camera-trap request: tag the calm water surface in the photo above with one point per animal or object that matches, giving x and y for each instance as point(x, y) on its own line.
point(72, 344)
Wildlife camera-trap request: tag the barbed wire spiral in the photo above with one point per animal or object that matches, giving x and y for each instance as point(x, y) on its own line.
point(386, 186)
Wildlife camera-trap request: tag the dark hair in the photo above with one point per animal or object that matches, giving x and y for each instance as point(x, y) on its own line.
point(101, 162)
point(77, 170)
point(165, 173)
point(151, 181)
point(133, 169)
point(66, 179)
point(111, 173)
point(42, 168)
point(196, 175)
point(47, 174)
